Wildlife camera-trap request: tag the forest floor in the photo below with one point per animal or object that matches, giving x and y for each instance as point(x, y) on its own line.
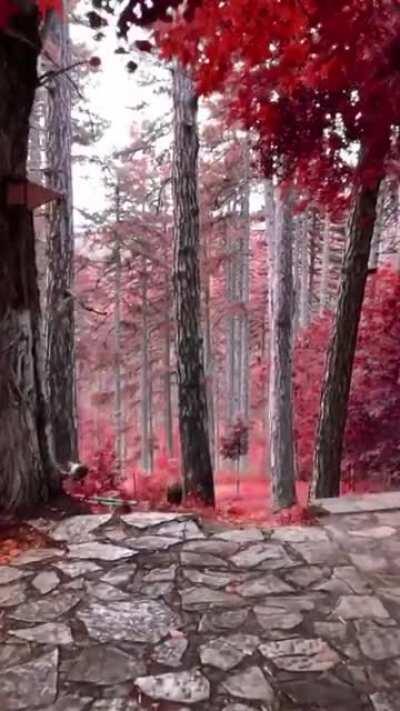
point(167, 611)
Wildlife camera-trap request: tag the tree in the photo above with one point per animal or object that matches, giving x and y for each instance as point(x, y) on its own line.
point(60, 332)
point(193, 411)
point(27, 474)
point(317, 81)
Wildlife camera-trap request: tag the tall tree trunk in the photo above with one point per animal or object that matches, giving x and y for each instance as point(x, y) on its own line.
point(282, 455)
point(336, 387)
point(145, 375)
point(192, 390)
point(117, 364)
point(27, 475)
point(325, 262)
point(304, 298)
point(60, 362)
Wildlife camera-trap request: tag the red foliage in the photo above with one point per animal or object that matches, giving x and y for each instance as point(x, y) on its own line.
point(15, 538)
point(372, 447)
point(10, 8)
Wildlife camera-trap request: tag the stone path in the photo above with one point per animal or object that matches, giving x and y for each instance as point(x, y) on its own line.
point(154, 611)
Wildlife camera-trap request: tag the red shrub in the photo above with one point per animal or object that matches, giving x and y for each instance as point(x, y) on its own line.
point(372, 445)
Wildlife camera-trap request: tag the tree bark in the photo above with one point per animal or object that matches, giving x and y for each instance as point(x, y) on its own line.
point(336, 387)
point(325, 262)
point(281, 440)
point(192, 390)
point(27, 475)
point(60, 363)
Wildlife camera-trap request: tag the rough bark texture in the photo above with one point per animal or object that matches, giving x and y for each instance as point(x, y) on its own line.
point(281, 440)
point(60, 306)
point(26, 473)
point(192, 391)
point(336, 387)
point(118, 418)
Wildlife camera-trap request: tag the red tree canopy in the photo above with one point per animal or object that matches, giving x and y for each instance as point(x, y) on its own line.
point(314, 78)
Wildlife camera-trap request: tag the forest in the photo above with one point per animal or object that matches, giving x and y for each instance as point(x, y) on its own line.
point(201, 312)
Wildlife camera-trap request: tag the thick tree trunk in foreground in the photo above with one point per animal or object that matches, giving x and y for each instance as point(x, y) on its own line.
point(60, 305)
point(26, 473)
point(192, 390)
point(336, 387)
point(281, 440)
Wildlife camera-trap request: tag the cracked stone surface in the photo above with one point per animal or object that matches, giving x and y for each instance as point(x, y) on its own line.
point(158, 610)
point(46, 582)
point(301, 655)
point(187, 687)
point(249, 684)
point(48, 633)
point(105, 665)
point(30, 685)
point(134, 621)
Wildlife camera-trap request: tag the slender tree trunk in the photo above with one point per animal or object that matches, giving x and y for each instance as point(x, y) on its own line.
point(117, 343)
point(325, 261)
point(27, 475)
point(208, 353)
point(193, 412)
point(304, 298)
point(282, 456)
point(60, 363)
point(336, 387)
point(145, 375)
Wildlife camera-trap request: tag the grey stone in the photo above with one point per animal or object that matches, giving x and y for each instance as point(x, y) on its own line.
point(104, 591)
point(267, 585)
point(171, 651)
point(99, 551)
point(152, 543)
point(379, 643)
point(120, 575)
point(225, 653)
point(10, 575)
point(185, 530)
point(340, 505)
point(285, 604)
point(249, 684)
point(46, 581)
point(259, 553)
point(378, 533)
point(321, 554)
point(391, 518)
point(116, 534)
point(241, 535)
point(352, 607)
point(270, 618)
point(13, 594)
point(237, 707)
point(105, 665)
point(198, 597)
point(13, 654)
point(77, 568)
point(324, 691)
point(188, 687)
point(212, 546)
point(116, 705)
point(145, 519)
point(70, 703)
point(392, 594)
point(228, 620)
point(202, 560)
point(370, 563)
point(209, 578)
point(135, 621)
point(47, 609)
point(331, 630)
point(37, 555)
point(305, 576)
point(301, 655)
point(300, 534)
point(156, 589)
point(49, 633)
point(31, 684)
point(382, 701)
point(352, 578)
point(161, 575)
point(78, 529)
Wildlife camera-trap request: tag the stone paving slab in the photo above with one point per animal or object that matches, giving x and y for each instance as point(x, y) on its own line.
point(156, 611)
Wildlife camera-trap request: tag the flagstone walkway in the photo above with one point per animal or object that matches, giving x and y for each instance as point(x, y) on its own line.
point(157, 611)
